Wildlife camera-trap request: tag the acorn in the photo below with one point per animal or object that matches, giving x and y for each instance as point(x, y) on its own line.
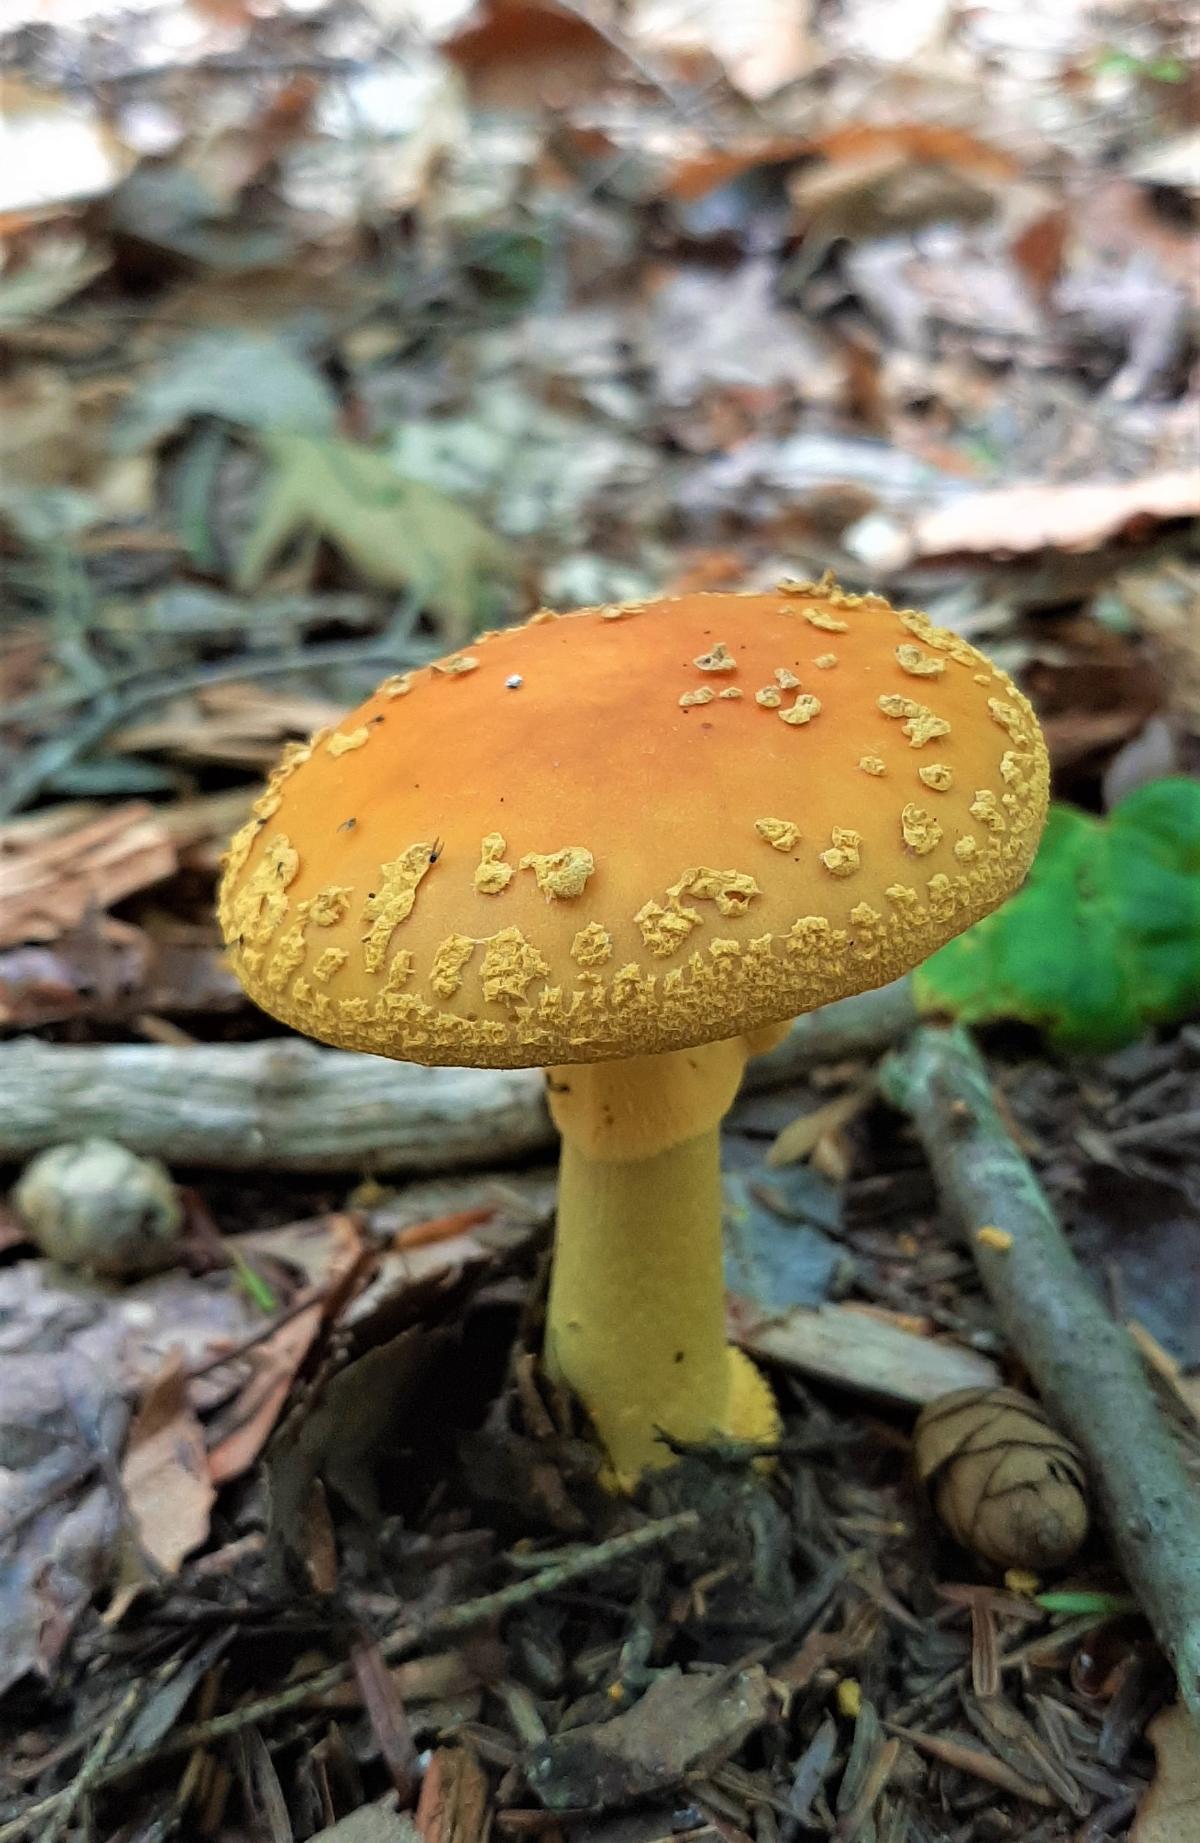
point(1003, 1481)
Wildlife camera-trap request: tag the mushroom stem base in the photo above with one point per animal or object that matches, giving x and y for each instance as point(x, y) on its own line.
point(636, 1319)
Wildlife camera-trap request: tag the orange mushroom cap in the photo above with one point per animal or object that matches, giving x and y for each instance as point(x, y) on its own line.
point(634, 829)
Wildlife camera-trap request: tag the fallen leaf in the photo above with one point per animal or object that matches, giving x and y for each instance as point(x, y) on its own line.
point(240, 723)
point(1170, 1811)
point(397, 533)
point(857, 1351)
point(245, 378)
point(376, 1823)
point(682, 1725)
point(55, 147)
point(453, 1806)
point(800, 1138)
point(1015, 521)
point(56, 269)
point(58, 1414)
point(708, 331)
point(168, 1491)
point(761, 45)
point(516, 54)
point(332, 1249)
point(52, 872)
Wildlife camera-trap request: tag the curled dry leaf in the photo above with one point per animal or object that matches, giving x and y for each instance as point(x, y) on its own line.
point(1004, 1482)
point(56, 867)
point(168, 1491)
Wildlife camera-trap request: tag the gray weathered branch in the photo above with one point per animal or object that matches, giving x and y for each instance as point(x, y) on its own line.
point(288, 1105)
point(1083, 1362)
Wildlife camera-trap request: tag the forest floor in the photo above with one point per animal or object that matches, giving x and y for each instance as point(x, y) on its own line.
point(643, 298)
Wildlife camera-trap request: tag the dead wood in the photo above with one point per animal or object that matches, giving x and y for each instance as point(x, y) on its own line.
point(1083, 1362)
point(288, 1105)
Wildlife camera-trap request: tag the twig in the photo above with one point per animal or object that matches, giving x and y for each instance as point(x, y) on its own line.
point(1085, 1364)
point(286, 1105)
point(110, 707)
point(579, 1565)
point(58, 1809)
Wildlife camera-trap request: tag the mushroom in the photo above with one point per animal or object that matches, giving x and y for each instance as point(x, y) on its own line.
point(566, 856)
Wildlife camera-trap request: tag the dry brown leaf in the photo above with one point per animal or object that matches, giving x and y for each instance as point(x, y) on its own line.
point(240, 723)
point(52, 874)
point(1015, 521)
point(761, 45)
point(258, 1407)
point(801, 1137)
point(328, 1250)
point(453, 1807)
point(1170, 1811)
point(523, 54)
point(861, 1351)
point(168, 1491)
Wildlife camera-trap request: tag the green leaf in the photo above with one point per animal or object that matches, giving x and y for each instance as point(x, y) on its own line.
point(1104, 938)
point(397, 533)
point(1077, 1603)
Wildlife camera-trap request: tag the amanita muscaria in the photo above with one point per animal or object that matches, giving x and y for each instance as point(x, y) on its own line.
point(626, 845)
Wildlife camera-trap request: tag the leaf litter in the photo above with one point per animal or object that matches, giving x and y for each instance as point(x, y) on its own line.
point(329, 340)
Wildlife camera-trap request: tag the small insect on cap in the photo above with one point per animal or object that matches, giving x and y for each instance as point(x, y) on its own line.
point(634, 829)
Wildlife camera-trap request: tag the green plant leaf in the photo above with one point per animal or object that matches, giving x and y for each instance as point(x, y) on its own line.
point(1104, 938)
point(397, 533)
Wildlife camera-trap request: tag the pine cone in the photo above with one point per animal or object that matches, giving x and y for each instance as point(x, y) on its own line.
point(1003, 1480)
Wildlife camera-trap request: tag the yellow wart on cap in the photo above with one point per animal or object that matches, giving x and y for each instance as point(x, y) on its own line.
point(509, 966)
point(803, 710)
point(938, 776)
point(782, 834)
point(457, 666)
point(491, 876)
point(825, 661)
point(448, 963)
point(258, 907)
point(397, 686)
point(770, 697)
point(917, 663)
point(717, 659)
point(592, 946)
point(871, 764)
point(731, 890)
point(842, 857)
point(921, 831)
point(786, 679)
point(731, 691)
point(1008, 717)
point(393, 903)
point(341, 743)
point(986, 808)
point(920, 725)
point(560, 874)
point(704, 695)
point(329, 961)
point(822, 619)
point(966, 848)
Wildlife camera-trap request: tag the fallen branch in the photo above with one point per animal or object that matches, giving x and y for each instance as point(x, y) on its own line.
point(287, 1105)
point(1085, 1365)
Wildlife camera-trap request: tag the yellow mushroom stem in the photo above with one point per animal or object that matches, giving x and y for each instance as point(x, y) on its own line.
point(636, 1319)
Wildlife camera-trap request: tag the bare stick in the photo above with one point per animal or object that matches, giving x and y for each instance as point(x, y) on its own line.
point(287, 1105)
point(1084, 1363)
